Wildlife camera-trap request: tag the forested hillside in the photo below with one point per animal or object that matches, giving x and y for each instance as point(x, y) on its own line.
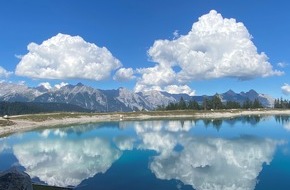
point(18, 108)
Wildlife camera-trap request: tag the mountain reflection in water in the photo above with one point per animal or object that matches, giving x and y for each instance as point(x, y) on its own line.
point(184, 153)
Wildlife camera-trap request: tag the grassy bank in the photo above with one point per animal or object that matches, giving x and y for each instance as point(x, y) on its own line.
point(49, 116)
point(6, 123)
point(131, 115)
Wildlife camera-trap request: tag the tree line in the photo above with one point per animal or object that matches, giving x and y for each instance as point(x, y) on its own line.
point(281, 104)
point(19, 108)
point(214, 103)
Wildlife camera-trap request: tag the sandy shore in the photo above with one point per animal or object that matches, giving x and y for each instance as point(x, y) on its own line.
point(19, 123)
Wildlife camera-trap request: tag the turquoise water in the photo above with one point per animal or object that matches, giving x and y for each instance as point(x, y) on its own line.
point(242, 153)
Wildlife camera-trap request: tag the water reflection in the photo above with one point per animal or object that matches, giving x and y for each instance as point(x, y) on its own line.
point(206, 163)
point(77, 129)
point(285, 120)
point(66, 162)
point(124, 142)
point(68, 156)
point(253, 120)
point(282, 118)
point(216, 123)
point(58, 132)
point(3, 145)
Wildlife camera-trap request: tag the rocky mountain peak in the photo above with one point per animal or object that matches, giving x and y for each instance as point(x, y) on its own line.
point(252, 93)
point(80, 84)
point(111, 100)
point(230, 93)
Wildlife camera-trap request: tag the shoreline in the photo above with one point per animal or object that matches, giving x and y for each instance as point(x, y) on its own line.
point(24, 123)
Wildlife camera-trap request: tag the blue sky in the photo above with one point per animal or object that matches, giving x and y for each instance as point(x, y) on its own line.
point(148, 44)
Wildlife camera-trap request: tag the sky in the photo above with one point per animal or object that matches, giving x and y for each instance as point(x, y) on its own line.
point(180, 46)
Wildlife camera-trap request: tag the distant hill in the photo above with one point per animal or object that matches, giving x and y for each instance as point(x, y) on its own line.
point(19, 108)
point(120, 99)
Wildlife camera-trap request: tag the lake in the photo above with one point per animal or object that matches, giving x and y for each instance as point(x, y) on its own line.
point(230, 154)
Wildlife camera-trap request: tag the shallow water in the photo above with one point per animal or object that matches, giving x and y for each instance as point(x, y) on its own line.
point(242, 153)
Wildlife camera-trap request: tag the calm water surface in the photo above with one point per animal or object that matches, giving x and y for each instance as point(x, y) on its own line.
point(244, 153)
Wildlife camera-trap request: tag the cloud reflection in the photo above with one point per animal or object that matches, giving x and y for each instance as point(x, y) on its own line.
point(161, 135)
point(3, 145)
point(124, 142)
point(62, 162)
point(207, 162)
point(287, 126)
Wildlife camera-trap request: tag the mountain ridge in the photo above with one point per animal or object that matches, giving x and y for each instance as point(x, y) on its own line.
point(120, 99)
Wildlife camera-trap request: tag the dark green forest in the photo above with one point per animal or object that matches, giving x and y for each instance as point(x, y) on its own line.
point(19, 108)
point(214, 103)
point(281, 104)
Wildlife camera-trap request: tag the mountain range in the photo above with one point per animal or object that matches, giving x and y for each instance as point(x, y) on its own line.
point(120, 99)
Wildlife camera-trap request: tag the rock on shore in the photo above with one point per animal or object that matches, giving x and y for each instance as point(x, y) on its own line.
point(13, 179)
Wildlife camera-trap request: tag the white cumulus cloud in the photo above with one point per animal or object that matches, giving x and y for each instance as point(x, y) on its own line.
point(124, 74)
point(175, 34)
point(215, 47)
point(4, 73)
point(67, 57)
point(48, 86)
point(45, 85)
point(182, 89)
point(62, 84)
point(155, 78)
point(282, 64)
point(286, 89)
